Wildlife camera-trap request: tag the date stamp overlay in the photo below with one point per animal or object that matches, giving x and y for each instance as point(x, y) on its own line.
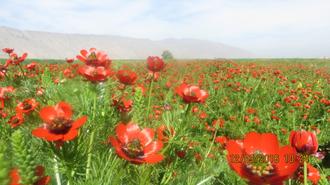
point(264, 158)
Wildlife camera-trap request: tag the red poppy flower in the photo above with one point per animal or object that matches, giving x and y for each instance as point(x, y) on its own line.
point(8, 50)
point(69, 60)
point(3, 114)
point(68, 73)
point(218, 123)
point(3, 70)
point(16, 120)
point(123, 105)
point(141, 87)
point(40, 91)
point(31, 66)
point(203, 115)
point(94, 57)
point(94, 74)
point(39, 172)
point(27, 106)
point(259, 159)
point(15, 59)
point(135, 145)
point(325, 101)
point(5, 90)
point(126, 77)
point(304, 142)
point(152, 76)
point(251, 110)
point(222, 140)
point(58, 125)
point(165, 133)
point(191, 93)
point(155, 64)
point(181, 153)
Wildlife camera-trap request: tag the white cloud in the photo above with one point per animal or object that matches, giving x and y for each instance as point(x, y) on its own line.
point(266, 27)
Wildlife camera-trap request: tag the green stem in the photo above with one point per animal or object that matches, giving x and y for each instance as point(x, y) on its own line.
point(22, 71)
point(89, 157)
point(187, 113)
point(149, 98)
point(205, 180)
point(188, 110)
point(57, 174)
point(70, 177)
point(211, 145)
point(305, 173)
point(91, 141)
point(209, 149)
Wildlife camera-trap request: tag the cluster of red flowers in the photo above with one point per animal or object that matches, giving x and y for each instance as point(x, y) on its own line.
point(23, 108)
point(126, 76)
point(41, 179)
point(4, 91)
point(96, 66)
point(131, 143)
point(14, 59)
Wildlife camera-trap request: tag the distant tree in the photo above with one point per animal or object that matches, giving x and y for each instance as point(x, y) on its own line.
point(167, 55)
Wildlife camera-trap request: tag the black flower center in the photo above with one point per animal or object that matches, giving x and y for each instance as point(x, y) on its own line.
point(91, 58)
point(15, 120)
point(134, 149)
point(60, 125)
point(26, 105)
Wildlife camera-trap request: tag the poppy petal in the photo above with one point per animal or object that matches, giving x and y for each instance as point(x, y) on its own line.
point(81, 58)
point(84, 52)
point(47, 114)
point(286, 168)
point(251, 142)
point(132, 131)
point(70, 135)
point(269, 143)
point(121, 133)
point(114, 142)
point(14, 176)
point(127, 158)
point(234, 149)
point(53, 137)
point(146, 136)
point(313, 174)
point(79, 122)
point(64, 109)
point(40, 132)
point(45, 134)
point(153, 147)
point(154, 158)
point(23, 57)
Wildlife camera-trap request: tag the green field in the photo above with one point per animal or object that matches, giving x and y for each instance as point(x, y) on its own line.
point(244, 95)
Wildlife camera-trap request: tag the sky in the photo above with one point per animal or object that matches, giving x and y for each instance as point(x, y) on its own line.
point(267, 28)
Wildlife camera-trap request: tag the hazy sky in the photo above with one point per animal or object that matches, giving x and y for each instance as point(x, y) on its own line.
point(273, 28)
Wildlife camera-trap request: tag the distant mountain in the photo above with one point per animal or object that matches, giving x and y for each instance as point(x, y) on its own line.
point(46, 45)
